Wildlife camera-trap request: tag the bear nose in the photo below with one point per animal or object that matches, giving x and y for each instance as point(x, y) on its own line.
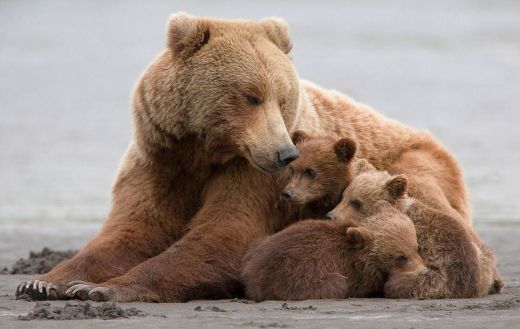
point(288, 194)
point(286, 155)
point(330, 215)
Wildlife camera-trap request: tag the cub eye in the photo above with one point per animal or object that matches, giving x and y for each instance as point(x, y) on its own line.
point(310, 172)
point(253, 100)
point(356, 204)
point(401, 259)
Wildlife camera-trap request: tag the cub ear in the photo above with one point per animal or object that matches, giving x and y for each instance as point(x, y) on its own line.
point(299, 136)
point(396, 186)
point(345, 149)
point(186, 34)
point(357, 237)
point(277, 31)
point(363, 166)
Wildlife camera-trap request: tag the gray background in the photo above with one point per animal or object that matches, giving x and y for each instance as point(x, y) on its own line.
point(67, 69)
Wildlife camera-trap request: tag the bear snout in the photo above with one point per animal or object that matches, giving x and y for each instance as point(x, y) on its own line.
point(288, 194)
point(286, 155)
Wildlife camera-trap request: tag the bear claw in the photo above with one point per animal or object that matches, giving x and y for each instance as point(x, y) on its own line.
point(37, 289)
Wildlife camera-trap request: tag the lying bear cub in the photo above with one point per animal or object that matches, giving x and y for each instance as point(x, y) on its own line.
point(460, 265)
point(372, 246)
point(315, 259)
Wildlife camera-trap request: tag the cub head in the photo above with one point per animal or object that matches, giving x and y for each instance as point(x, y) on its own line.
point(323, 169)
point(367, 188)
point(229, 83)
point(389, 241)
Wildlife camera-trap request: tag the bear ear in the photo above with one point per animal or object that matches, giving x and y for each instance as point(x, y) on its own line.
point(357, 237)
point(345, 149)
point(299, 136)
point(396, 186)
point(186, 34)
point(363, 166)
point(277, 31)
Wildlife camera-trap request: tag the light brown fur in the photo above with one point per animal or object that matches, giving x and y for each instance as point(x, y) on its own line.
point(199, 180)
point(322, 259)
point(461, 266)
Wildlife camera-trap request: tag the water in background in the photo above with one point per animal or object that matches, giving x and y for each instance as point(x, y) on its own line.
point(67, 70)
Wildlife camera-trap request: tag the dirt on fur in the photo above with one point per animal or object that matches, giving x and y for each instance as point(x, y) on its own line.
point(80, 311)
point(39, 262)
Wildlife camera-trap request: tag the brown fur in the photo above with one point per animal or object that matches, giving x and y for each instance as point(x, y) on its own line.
point(461, 266)
point(198, 181)
point(320, 174)
point(319, 259)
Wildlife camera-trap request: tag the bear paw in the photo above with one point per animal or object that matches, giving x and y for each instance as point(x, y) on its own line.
point(39, 290)
point(108, 292)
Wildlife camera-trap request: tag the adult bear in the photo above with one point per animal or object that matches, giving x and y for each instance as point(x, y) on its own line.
point(213, 115)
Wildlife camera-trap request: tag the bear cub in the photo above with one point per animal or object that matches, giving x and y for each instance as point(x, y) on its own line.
point(320, 174)
point(316, 259)
point(460, 264)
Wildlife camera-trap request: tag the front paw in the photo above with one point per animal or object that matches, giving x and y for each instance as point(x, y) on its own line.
point(88, 291)
point(108, 292)
point(39, 290)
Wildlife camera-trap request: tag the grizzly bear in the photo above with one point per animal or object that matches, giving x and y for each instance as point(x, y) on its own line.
point(460, 264)
point(316, 259)
point(213, 114)
point(320, 174)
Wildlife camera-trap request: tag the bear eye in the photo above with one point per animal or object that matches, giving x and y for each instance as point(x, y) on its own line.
point(401, 259)
point(356, 204)
point(310, 172)
point(253, 100)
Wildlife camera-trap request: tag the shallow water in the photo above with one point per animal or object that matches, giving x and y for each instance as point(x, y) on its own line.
point(67, 70)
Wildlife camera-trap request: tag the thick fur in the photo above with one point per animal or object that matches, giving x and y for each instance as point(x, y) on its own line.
point(322, 259)
point(460, 265)
point(320, 174)
point(200, 179)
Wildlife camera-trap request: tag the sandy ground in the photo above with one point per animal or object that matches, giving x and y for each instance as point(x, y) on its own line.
point(496, 311)
point(67, 69)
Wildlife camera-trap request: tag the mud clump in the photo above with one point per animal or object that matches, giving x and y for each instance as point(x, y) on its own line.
point(39, 262)
point(286, 307)
point(80, 311)
point(209, 308)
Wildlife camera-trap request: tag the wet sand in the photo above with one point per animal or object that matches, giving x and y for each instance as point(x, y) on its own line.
point(451, 68)
point(494, 311)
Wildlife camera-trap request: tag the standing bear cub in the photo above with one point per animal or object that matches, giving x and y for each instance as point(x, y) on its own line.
point(460, 265)
point(316, 259)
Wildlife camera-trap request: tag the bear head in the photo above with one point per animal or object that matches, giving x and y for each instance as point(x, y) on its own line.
point(323, 169)
point(388, 240)
point(227, 83)
point(367, 188)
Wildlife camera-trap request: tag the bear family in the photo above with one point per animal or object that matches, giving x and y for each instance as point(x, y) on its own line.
point(460, 264)
point(213, 114)
point(316, 259)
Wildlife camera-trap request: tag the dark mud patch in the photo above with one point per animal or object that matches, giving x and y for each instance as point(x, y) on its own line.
point(209, 308)
point(242, 301)
point(286, 307)
point(39, 262)
point(80, 311)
